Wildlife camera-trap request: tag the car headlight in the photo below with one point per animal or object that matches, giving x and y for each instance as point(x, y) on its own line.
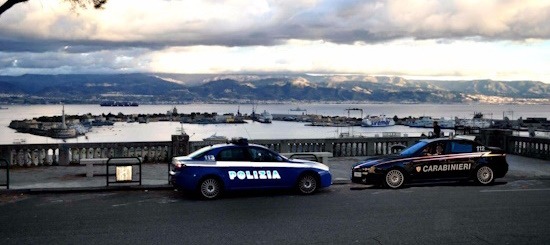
point(366, 169)
point(371, 169)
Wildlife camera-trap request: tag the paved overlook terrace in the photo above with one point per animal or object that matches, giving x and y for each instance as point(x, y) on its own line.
point(163, 151)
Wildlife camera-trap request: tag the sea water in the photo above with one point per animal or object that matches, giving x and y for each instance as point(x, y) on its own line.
point(162, 131)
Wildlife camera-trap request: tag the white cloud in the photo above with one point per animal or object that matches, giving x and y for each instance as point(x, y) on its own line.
point(498, 39)
point(413, 58)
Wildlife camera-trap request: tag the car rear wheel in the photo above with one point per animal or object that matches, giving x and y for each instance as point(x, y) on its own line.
point(484, 175)
point(307, 184)
point(210, 188)
point(394, 179)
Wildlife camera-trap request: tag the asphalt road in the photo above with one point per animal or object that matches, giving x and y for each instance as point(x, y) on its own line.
point(510, 212)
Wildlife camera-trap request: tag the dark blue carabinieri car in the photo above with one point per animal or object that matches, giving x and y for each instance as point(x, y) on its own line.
point(242, 166)
point(434, 159)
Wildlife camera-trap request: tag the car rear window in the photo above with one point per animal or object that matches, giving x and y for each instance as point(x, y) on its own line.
point(199, 154)
point(232, 154)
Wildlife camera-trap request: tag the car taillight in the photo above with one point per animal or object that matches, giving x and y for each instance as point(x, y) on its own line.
point(179, 165)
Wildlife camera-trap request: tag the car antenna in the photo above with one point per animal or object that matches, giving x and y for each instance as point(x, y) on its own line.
point(247, 133)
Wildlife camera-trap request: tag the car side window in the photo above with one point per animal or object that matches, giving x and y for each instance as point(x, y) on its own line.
point(262, 155)
point(461, 147)
point(427, 151)
point(232, 154)
point(440, 149)
point(435, 148)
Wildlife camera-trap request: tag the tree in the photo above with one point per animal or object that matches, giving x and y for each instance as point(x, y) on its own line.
point(98, 4)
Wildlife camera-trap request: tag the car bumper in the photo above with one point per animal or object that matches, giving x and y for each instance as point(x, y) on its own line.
point(326, 179)
point(366, 178)
point(182, 181)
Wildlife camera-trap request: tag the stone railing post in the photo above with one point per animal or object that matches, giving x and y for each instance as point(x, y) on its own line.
point(5, 153)
point(371, 148)
point(328, 146)
point(64, 154)
point(284, 146)
point(180, 145)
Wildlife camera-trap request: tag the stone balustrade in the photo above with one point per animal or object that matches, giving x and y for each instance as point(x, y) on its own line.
point(340, 147)
point(71, 153)
point(535, 147)
point(529, 147)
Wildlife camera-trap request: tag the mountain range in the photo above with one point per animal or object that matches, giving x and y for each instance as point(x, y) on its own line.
point(182, 88)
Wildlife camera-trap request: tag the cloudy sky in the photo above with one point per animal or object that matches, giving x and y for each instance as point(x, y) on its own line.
point(436, 39)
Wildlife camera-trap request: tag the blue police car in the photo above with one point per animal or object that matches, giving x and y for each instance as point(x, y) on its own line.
point(240, 166)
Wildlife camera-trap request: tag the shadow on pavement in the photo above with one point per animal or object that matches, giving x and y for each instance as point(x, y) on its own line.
point(357, 187)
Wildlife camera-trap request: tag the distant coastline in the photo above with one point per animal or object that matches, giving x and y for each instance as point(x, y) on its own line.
point(118, 103)
point(286, 102)
point(147, 88)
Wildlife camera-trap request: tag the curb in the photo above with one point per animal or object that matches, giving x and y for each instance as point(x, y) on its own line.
point(87, 189)
point(341, 181)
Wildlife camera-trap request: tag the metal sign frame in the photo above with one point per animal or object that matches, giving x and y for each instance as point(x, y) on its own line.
point(109, 164)
point(304, 154)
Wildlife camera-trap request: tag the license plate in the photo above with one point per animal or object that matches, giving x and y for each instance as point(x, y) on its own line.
point(357, 174)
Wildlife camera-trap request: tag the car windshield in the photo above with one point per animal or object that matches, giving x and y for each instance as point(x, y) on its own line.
point(413, 149)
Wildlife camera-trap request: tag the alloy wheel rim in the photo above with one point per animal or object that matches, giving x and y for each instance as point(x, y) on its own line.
point(209, 188)
point(307, 184)
point(394, 178)
point(485, 175)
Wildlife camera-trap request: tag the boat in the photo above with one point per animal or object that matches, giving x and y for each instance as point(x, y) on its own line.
point(298, 109)
point(377, 121)
point(216, 138)
point(446, 123)
point(422, 122)
point(474, 123)
point(265, 117)
point(3, 108)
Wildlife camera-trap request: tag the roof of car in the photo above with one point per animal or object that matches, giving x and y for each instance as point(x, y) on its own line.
point(447, 139)
point(222, 145)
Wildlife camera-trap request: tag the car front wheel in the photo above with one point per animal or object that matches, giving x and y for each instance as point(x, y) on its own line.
point(394, 179)
point(484, 175)
point(307, 184)
point(210, 188)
